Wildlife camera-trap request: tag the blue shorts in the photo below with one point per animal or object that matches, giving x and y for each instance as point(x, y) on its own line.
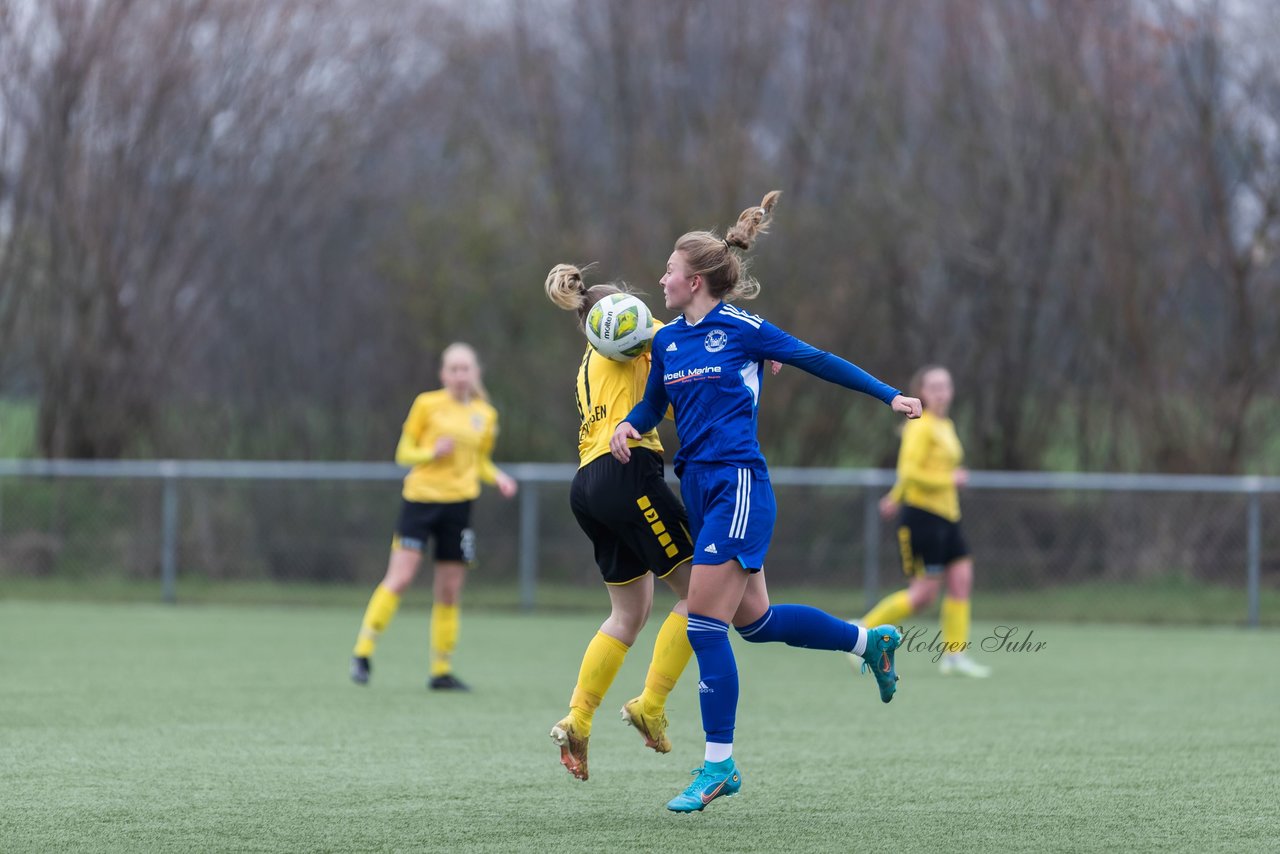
point(731, 514)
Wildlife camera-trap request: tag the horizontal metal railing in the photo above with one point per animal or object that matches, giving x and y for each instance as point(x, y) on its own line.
point(170, 473)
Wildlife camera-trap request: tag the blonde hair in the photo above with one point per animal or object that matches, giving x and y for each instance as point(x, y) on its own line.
point(565, 287)
point(710, 256)
point(916, 386)
point(477, 387)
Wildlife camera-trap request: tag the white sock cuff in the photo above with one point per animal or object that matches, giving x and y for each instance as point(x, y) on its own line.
point(718, 752)
point(860, 646)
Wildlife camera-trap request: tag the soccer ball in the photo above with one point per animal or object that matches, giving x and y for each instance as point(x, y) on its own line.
point(620, 327)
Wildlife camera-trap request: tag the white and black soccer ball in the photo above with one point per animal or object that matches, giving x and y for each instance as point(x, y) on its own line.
point(620, 327)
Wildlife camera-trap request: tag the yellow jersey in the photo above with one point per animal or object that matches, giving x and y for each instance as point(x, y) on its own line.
point(927, 463)
point(606, 392)
point(456, 476)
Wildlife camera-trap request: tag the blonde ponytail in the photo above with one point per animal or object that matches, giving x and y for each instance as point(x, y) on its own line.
point(752, 222)
point(567, 290)
point(726, 273)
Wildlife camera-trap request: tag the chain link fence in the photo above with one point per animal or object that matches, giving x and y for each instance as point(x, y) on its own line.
point(1046, 535)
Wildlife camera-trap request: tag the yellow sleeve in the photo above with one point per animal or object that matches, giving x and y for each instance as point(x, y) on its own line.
point(407, 451)
point(911, 470)
point(489, 471)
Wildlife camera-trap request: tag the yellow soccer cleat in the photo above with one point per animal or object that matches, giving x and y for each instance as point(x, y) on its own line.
point(573, 747)
point(652, 728)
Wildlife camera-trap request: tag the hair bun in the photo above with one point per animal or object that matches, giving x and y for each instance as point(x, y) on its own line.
point(565, 287)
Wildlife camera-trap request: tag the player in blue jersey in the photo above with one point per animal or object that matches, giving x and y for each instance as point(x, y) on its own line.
point(707, 364)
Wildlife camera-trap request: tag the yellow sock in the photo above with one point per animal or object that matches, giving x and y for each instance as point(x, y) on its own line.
point(671, 652)
point(600, 664)
point(382, 607)
point(955, 623)
point(444, 637)
point(892, 609)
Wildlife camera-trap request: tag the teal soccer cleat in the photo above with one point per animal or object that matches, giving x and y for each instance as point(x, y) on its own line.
point(881, 643)
point(714, 780)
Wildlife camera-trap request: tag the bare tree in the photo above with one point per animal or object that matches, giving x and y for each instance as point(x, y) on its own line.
point(249, 229)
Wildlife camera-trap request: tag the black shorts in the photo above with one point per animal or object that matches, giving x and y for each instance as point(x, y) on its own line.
point(449, 524)
point(928, 542)
point(635, 522)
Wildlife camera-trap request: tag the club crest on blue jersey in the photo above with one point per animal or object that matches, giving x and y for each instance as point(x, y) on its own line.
point(716, 340)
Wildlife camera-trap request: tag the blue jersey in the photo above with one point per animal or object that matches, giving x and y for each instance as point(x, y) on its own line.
point(711, 371)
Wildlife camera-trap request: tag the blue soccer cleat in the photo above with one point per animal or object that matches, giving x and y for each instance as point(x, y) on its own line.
point(881, 643)
point(713, 780)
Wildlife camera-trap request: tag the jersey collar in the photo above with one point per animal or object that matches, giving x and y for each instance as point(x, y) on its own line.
point(716, 308)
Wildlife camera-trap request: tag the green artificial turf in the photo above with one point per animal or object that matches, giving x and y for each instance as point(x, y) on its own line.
point(133, 727)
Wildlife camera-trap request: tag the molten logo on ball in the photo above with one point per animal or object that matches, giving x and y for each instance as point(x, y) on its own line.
point(620, 327)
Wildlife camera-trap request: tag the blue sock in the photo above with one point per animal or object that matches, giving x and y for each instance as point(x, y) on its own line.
point(803, 626)
point(717, 676)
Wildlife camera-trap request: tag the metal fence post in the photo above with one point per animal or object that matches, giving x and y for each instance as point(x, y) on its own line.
point(870, 546)
point(1254, 557)
point(169, 535)
point(528, 544)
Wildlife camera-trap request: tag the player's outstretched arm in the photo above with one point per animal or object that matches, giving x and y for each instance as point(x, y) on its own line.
point(773, 343)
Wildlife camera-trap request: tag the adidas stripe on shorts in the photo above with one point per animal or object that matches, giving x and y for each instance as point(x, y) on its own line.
point(731, 514)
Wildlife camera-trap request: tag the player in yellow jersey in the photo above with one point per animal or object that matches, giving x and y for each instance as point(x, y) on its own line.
point(926, 500)
point(447, 439)
point(638, 528)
